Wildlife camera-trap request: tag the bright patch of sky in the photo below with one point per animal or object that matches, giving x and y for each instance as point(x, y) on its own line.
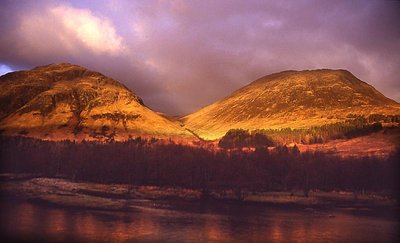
point(5, 69)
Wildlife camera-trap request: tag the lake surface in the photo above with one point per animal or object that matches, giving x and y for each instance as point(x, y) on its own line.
point(197, 222)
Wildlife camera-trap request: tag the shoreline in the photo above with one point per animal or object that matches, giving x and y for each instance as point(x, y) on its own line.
point(122, 197)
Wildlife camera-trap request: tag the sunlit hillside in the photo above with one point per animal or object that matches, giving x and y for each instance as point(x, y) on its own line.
point(65, 101)
point(291, 99)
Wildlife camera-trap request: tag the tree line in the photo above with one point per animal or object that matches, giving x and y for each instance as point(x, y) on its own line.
point(163, 163)
point(354, 127)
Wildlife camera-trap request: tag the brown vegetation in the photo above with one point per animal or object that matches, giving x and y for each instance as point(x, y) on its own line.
point(155, 163)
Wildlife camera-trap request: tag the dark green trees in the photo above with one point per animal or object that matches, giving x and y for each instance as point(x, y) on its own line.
point(239, 138)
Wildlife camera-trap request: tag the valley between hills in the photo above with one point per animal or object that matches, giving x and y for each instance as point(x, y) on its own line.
point(323, 109)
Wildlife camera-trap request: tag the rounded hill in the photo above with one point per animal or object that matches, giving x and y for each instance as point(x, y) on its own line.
point(291, 99)
point(66, 101)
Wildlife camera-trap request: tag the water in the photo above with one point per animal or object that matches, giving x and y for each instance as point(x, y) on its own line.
point(197, 222)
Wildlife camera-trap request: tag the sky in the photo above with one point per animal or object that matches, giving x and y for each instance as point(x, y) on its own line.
point(181, 55)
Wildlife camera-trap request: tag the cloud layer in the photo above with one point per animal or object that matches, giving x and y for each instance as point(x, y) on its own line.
point(181, 55)
point(63, 30)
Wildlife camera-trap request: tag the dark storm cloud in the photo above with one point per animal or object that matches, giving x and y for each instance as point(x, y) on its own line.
point(181, 55)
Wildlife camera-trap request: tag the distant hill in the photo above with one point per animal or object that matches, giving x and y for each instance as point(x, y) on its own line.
point(291, 99)
point(65, 101)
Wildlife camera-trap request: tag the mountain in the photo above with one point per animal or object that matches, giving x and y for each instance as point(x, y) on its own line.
point(65, 101)
point(291, 99)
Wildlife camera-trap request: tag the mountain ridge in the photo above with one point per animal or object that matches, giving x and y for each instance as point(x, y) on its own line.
point(66, 101)
point(290, 99)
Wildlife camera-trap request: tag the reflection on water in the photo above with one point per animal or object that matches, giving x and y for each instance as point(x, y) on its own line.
point(196, 222)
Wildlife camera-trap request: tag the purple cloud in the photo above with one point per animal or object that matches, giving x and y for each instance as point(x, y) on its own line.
point(181, 55)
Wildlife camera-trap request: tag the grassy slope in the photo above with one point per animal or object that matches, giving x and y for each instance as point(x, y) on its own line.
point(379, 144)
point(290, 99)
point(65, 101)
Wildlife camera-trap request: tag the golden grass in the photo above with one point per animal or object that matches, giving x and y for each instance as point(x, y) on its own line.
point(291, 100)
point(379, 144)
